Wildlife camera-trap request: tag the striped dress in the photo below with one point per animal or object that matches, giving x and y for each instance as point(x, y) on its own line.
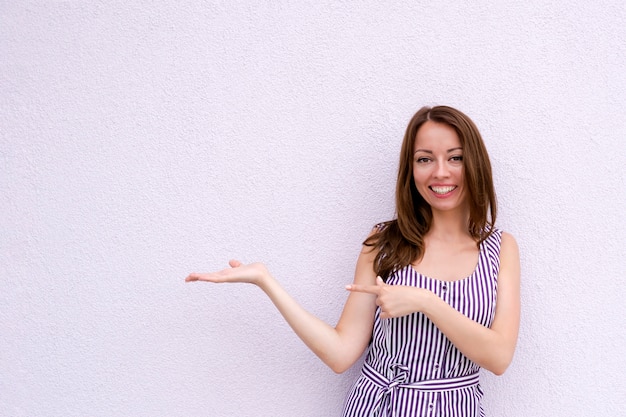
point(411, 368)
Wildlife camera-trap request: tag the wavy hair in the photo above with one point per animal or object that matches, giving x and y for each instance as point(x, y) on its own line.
point(400, 242)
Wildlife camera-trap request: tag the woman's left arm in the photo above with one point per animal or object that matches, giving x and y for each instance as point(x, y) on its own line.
point(490, 347)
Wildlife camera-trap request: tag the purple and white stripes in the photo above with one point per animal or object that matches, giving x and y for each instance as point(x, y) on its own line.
point(411, 368)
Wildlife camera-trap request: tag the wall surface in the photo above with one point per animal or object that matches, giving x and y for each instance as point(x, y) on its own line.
point(140, 142)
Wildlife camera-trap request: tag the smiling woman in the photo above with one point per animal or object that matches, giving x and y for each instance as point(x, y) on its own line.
point(438, 168)
point(435, 295)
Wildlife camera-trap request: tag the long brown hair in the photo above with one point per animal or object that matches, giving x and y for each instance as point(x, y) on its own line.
point(401, 241)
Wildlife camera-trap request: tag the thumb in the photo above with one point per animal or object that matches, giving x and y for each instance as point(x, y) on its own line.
point(234, 263)
point(379, 281)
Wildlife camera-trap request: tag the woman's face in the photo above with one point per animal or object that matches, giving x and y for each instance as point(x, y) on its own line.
point(438, 166)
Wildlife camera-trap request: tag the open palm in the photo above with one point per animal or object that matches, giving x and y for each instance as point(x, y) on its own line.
point(238, 272)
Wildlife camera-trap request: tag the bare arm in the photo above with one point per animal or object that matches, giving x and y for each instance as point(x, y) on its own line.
point(491, 348)
point(338, 347)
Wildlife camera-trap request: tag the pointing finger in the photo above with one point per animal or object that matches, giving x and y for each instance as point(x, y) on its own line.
point(369, 289)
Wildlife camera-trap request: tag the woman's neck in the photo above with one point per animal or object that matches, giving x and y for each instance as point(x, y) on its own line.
point(449, 225)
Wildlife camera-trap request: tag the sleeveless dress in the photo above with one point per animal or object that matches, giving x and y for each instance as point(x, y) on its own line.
point(411, 368)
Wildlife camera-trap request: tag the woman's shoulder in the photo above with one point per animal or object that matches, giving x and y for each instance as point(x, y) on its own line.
point(499, 234)
point(382, 226)
point(505, 237)
point(509, 244)
point(504, 242)
point(379, 234)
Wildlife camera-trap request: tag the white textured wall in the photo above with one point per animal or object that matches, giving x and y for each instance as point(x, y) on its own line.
point(141, 142)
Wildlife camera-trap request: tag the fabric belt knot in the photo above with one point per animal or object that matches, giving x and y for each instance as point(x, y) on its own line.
point(385, 397)
point(400, 375)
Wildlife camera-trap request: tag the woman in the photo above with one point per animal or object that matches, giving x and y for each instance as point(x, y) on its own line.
point(436, 291)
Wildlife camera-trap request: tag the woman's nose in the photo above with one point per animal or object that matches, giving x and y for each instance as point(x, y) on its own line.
point(441, 170)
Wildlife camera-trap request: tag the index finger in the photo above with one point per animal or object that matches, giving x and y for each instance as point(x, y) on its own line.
point(369, 289)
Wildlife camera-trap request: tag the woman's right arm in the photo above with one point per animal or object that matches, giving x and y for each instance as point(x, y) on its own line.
point(338, 347)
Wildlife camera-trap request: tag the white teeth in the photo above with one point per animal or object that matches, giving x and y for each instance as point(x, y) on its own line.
point(443, 190)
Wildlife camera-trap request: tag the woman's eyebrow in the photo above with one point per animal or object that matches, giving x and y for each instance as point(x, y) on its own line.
point(427, 151)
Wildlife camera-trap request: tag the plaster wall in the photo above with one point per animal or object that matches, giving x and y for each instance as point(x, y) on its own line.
point(142, 141)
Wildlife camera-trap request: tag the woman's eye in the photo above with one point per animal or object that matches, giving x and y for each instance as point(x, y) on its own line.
point(457, 158)
point(422, 160)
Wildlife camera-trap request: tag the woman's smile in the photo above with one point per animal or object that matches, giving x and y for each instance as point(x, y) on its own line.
point(442, 190)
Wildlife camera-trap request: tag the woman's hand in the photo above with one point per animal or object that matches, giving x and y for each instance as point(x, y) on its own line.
point(338, 347)
point(253, 273)
point(394, 300)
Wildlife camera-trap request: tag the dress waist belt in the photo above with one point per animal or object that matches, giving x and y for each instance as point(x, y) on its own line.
point(399, 380)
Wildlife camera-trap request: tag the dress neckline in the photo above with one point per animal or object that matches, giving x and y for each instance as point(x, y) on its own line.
point(451, 281)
